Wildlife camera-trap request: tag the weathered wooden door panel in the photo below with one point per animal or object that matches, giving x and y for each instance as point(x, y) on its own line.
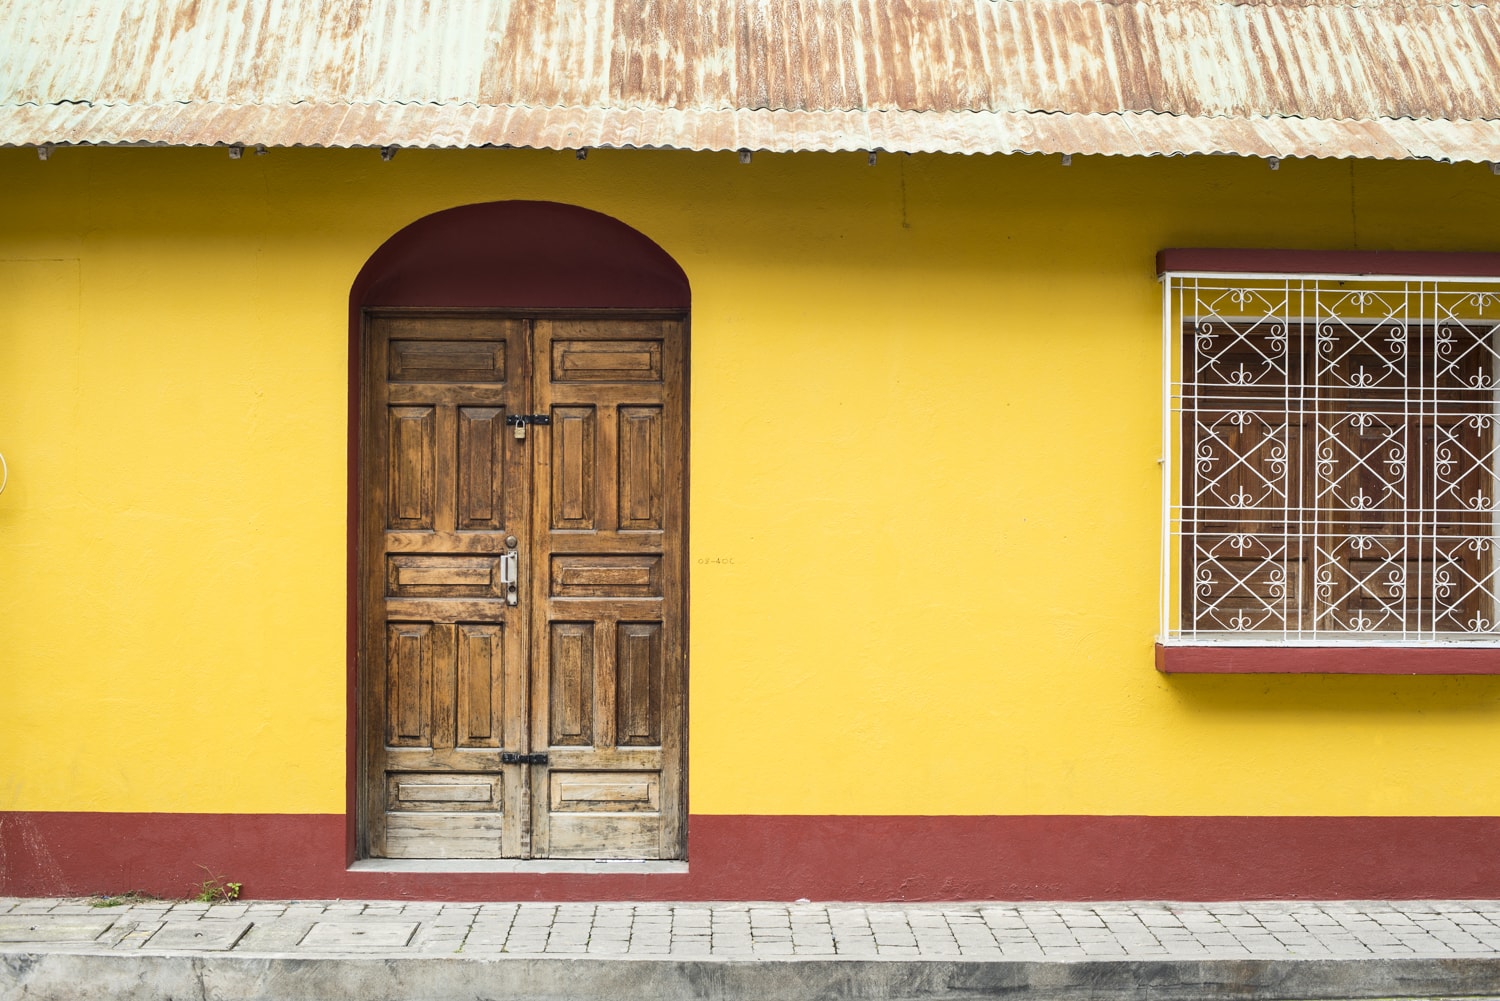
point(444, 654)
point(588, 668)
point(607, 673)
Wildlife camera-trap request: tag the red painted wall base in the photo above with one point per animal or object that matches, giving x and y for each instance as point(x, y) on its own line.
point(783, 858)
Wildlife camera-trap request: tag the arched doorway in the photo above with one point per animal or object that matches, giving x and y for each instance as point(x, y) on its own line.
point(521, 375)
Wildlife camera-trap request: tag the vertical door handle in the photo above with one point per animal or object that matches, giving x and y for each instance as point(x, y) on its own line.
point(508, 564)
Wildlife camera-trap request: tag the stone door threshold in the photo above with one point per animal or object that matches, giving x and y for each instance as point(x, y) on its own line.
point(598, 867)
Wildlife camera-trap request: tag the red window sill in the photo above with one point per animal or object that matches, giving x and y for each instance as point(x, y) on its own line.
point(1216, 659)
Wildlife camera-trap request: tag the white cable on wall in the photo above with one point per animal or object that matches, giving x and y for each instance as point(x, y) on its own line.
point(4, 473)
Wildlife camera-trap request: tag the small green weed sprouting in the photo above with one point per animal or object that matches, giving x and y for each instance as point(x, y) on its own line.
point(216, 889)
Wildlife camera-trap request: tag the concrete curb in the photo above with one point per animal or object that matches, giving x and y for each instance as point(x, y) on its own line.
point(63, 976)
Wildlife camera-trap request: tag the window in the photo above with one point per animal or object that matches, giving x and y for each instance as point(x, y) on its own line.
point(1331, 461)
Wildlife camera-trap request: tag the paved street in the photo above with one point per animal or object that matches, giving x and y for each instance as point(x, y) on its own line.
point(763, 950)
point(765, 930)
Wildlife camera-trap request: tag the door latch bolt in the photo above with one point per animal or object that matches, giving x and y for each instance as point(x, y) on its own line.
point(517, 758)
point(508, 576)
point(519, 422)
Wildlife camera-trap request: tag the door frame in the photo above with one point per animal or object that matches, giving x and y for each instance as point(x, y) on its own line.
point(361, 690)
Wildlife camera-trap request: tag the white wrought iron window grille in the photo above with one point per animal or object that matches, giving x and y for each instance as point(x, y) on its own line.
point(1330, 459)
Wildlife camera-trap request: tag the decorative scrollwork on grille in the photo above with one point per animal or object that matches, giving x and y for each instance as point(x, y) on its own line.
point(1342, 462)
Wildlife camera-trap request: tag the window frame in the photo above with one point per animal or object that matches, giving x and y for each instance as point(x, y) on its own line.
point(1328, 653)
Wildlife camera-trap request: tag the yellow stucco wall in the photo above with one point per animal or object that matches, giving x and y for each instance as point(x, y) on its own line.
point(925, 498)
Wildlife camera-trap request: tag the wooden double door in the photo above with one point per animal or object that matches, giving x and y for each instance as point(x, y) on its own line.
point(523, 585)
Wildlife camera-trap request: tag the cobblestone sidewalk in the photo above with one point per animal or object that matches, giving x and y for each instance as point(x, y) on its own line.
point(751, 931)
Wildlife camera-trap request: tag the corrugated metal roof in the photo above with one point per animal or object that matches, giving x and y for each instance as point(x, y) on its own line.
point(1381, 78)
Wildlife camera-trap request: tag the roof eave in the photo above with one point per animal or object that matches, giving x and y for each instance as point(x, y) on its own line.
point(448, 126)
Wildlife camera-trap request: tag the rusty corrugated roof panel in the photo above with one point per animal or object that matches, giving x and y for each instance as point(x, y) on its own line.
point(1380, 78)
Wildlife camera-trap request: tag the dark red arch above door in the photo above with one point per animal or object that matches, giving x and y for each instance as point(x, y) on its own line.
point(520, 254)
